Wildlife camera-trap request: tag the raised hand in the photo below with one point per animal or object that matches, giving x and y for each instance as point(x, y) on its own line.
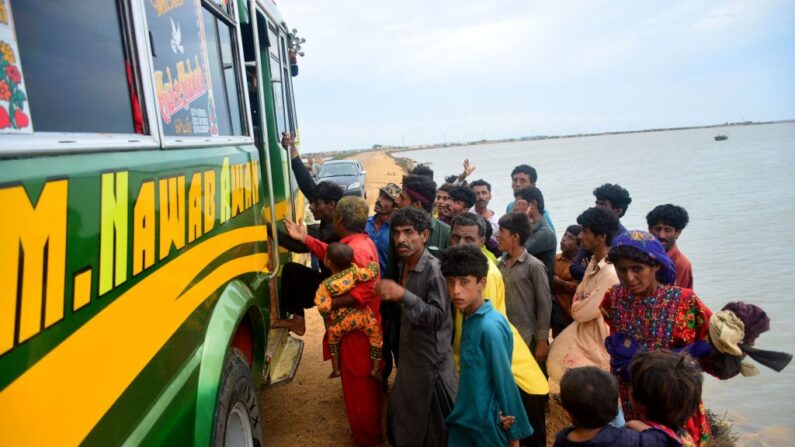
point(288, 143)
point(295, 231)
point(468, 168)
point(287, 140)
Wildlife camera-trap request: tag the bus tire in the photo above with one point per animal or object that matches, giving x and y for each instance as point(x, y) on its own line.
point(237, 417)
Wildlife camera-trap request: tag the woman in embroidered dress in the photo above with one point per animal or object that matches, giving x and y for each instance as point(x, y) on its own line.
point(646, 312)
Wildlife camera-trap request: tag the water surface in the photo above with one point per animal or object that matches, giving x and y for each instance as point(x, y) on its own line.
point(740, 195)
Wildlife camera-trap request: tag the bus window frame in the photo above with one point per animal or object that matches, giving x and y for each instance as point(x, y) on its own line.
point(255, 10)
point(287, 81)
point(172, 142)
point(132, 20)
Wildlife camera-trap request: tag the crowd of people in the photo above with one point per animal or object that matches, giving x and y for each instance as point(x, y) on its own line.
point(482, 319)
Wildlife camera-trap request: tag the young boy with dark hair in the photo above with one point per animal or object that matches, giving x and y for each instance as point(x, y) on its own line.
point(528, 300)
point(486, 389)
point(666, 390)
point(344, 277)
point(590, 397)
point(461, 200)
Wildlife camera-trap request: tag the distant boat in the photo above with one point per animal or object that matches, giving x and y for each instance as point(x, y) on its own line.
point(721, 137)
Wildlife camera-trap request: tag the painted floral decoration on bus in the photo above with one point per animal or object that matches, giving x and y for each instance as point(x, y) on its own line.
point(10, 78)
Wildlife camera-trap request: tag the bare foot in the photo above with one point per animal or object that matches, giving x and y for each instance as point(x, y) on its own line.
point(377, 375)
point(296, 325)
point(334, 374)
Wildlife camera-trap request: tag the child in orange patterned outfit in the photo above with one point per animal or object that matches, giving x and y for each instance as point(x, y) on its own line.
point(345, 275)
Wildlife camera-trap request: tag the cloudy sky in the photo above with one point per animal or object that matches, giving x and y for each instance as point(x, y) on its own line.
point(419, 71)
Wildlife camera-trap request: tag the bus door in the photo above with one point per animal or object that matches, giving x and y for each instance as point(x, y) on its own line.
point(267, 112)
point(272, 166)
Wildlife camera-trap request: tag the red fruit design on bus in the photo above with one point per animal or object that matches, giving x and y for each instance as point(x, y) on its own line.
point(13, 114)
point(5, 120)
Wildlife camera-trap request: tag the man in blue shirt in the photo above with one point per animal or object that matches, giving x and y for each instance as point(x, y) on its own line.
point(378, 224)
point(487, 392)
point(378, 229)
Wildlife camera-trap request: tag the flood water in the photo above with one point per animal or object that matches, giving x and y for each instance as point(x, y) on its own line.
point(740, 195)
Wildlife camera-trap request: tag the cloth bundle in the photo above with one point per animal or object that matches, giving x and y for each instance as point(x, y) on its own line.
point(732, 333)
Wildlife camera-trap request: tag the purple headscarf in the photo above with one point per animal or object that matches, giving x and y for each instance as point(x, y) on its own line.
point(648, 244)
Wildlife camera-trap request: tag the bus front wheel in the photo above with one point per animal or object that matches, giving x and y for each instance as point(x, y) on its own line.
point(237, 417)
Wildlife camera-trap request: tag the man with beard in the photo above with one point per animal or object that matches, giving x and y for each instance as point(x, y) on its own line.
point(417, 192)
point(482, 190)
point(666, 223)
point(378, 225)
point(426, 382)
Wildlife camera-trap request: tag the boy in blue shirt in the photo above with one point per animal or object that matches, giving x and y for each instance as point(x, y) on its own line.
point(486, 389)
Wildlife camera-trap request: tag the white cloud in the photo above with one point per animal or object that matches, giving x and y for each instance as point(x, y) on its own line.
point(376, 70)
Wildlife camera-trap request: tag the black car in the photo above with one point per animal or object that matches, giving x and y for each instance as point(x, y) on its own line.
point(346, 173)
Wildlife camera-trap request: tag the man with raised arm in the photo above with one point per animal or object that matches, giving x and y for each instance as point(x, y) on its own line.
point(299, 282)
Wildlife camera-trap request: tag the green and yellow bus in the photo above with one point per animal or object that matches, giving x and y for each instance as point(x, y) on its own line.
point(140, 174)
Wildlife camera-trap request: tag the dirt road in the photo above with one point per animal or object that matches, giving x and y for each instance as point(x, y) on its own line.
point(381, 169)
point(309, 410)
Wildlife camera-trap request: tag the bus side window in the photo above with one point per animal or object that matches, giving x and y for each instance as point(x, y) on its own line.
point(77, 73)
point(223, 68)
point(276, 80)
point(197, 78)
point(286, 79)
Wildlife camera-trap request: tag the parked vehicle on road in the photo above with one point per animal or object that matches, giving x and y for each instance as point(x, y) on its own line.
point(349, 174)
point(140, 172)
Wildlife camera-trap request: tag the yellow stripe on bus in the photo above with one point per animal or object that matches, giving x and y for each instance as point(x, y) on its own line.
point(282, 208)
point(60, 399)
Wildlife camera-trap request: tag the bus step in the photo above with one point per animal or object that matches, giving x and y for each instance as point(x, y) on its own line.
point(285, 355)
